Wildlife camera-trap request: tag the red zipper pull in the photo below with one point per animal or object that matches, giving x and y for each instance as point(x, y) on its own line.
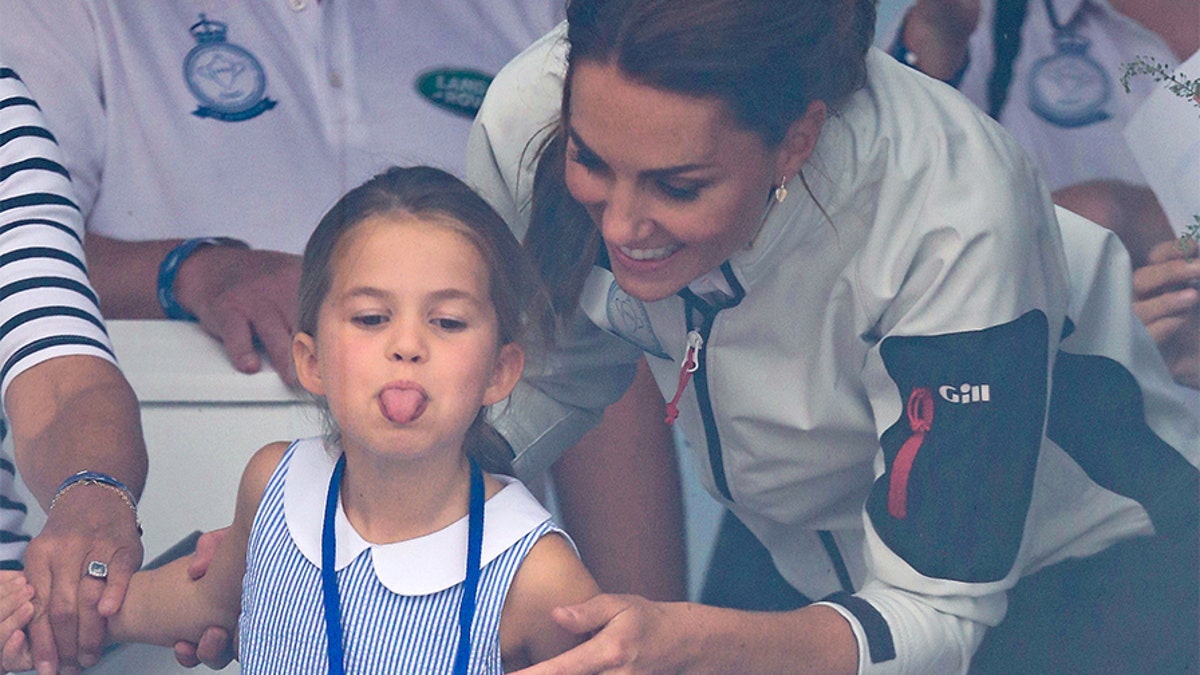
point(691, 362)
point(920, 419)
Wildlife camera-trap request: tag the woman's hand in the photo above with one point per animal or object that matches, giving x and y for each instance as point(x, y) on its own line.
point(88, 523)
point(1166, 299)
point(632, 635)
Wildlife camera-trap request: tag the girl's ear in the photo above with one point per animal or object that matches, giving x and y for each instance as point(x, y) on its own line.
point(800, 140)
point(304, 353)
point(509, 365)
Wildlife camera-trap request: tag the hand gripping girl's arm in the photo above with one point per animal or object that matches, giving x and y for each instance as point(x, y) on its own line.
point(166, 605)
point(550, 576)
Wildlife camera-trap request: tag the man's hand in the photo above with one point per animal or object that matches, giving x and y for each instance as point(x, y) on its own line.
point(1167, 299)
point(215, 650)
point(937, 32)
point(87, 523)
point(244, 297)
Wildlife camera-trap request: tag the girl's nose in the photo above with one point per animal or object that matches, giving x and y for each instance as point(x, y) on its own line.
point(407, 344)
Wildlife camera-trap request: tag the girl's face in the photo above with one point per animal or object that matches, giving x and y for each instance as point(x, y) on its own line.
point(673, 183)
point(407, 347)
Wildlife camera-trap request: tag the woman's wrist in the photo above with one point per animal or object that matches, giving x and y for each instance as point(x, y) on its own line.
point(813, 639)
point(97, 479)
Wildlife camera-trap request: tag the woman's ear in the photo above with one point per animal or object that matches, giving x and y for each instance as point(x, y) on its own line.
point(304, 353)
point(801, 139)
point(509, 365)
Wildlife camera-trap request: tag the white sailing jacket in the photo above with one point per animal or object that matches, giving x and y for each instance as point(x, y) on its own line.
point(872, 395)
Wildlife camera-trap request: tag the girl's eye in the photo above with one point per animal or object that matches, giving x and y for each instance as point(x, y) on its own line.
point(679, 193)
point(448, 324)
point(369, 320)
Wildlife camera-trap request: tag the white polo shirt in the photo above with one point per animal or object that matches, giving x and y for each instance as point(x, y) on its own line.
point(1093, 150)
point(250, 119)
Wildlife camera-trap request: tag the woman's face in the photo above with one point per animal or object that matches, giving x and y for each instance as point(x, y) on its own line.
point(673, 183)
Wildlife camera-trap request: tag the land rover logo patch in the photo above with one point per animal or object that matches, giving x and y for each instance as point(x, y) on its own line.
point(459, 91)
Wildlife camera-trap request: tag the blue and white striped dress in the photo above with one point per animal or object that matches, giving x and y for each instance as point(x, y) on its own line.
point(399, 601)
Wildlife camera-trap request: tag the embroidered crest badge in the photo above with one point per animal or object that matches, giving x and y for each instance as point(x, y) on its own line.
point(225, 78)
point(629, 320)
point(1069, 89)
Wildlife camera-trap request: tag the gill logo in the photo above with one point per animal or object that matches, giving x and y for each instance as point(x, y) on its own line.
point(966, 393)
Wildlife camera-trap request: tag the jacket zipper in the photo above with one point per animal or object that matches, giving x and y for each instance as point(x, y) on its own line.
point(711, 435)
point(693, 304)
point(691, 362)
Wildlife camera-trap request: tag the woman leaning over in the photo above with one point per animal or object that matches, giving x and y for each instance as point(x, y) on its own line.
point(866, 279)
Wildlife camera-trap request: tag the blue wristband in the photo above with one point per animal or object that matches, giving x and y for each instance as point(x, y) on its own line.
point(170, 267)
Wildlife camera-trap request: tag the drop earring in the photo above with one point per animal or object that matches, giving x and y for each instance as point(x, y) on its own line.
point(781, 190)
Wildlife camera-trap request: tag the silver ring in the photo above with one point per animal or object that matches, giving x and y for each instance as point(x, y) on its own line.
point(97, 570)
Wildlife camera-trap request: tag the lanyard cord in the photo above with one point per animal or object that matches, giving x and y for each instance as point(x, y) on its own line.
point(329, 588)
point(1059, 28)
point(466, 613)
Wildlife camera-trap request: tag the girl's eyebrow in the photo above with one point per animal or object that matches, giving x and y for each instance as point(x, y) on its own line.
point(649, 173)
point(438, 295)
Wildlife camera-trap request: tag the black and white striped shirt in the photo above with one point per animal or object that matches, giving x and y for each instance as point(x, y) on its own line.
point(47, 306)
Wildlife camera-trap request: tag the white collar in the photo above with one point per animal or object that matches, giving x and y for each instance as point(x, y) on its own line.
point(420, 566)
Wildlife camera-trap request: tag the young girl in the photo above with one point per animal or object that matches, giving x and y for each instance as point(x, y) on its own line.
point(370, 549)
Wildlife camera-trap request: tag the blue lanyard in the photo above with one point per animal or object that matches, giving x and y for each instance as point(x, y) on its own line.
point(329, 588)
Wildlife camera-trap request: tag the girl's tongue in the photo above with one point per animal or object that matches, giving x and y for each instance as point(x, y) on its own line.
point(402, 405)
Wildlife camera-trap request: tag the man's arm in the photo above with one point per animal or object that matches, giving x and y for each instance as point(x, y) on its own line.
point(1132, 212)
point(242, 297)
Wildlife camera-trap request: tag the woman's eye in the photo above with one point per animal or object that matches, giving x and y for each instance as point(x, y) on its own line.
point(449, 324)
point(586, 159)
point(679, 193)
point(369, 320)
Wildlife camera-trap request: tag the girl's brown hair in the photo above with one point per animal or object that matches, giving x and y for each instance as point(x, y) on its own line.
point(766, 60)
point(425, 192)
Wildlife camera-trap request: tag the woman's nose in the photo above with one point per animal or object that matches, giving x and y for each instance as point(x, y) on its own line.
point(623, 218)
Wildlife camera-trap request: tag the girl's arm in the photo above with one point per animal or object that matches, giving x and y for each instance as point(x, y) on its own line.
point(166, 605)
point(551, 575)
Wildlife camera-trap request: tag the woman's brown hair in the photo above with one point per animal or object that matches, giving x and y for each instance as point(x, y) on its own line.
point(764, 59)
